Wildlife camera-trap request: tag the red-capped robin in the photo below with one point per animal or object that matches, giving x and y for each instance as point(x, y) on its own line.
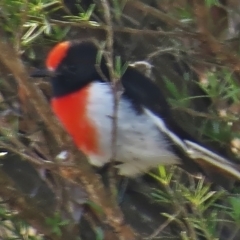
point(147, 135)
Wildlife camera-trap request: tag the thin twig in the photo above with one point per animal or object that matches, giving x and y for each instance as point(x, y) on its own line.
point(234, 233)
point(21, 153)
point(30, 210)
point(197, 113)
point(34, 159)
point(158, 14)
point(23, 18)
point(116, 29)
point(114, 80)
point(210, 43)
point(179, 206)
point(164, 225)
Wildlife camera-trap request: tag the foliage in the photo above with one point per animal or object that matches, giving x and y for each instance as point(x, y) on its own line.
point(13, 228)
point(196, 209)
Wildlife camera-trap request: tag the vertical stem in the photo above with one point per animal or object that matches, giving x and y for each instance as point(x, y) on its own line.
point(114, 81)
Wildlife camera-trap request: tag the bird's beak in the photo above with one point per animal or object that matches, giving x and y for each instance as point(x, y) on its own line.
point(41, 73)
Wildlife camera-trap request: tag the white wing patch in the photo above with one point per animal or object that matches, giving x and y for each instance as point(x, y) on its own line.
point(202, 154)
point(160, 124)
point(195, 151)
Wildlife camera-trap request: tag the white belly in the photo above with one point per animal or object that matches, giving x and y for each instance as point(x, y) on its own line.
point(140, 145)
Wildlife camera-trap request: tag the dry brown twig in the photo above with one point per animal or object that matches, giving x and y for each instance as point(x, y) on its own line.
point(123, 29)
point(163, 226)
point(116, 87)
point(210, 43)
point(110, 63)
point(27, 209)
point(158, 14)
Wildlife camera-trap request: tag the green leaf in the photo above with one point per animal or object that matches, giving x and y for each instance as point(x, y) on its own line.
point(99, 234)
point(235, 208)
point(210, 3)
point(95, 207)
point(56, 222)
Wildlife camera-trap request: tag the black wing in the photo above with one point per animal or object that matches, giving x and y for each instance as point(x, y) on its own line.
point(145, 93)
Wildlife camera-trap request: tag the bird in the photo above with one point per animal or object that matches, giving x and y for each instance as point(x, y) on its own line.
point(147, 135)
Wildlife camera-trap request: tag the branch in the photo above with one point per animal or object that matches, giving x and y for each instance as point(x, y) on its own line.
point(114, 80)
point(118, 29)
point(158, 14)
point(223, 54)
point(32, 205)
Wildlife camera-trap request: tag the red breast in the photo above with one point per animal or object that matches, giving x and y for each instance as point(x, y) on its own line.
point(72, 112)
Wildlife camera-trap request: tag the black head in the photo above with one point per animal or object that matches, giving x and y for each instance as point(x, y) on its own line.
point(73, 65)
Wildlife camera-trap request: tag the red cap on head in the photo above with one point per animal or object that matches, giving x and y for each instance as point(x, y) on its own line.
point(56, 55)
